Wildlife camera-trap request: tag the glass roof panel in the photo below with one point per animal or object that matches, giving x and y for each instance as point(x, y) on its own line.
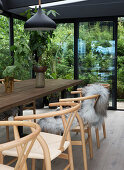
point(58, 3)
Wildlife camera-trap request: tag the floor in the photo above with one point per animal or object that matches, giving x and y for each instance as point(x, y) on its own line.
point(110, 156)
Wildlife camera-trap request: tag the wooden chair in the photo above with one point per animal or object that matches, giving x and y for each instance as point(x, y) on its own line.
point(87, 127)
point(25, 107)
point(104, 85)
point(82, 130)
point(21, 145)
point(50, 146)
point(79, 91)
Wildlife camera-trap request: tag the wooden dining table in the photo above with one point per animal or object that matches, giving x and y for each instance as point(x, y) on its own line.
point(25, 92)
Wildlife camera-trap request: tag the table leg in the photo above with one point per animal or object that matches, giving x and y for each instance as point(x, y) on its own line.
point(75, 88)
point(20, 113)
point(63, 94)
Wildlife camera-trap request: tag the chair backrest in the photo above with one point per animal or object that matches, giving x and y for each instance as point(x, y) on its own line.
point(15, 80)
point(80, 99)
point(72, 112)
point(86, 110)
point(79, 90)
point(23, 145)
point(104, 85)
point(2, 81)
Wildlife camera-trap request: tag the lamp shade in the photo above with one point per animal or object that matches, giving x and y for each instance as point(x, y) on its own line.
point(40, 21)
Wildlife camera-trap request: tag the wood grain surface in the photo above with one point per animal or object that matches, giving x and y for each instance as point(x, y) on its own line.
point(25, 91)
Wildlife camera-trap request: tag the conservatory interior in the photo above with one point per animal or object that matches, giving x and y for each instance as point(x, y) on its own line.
point(61, 84)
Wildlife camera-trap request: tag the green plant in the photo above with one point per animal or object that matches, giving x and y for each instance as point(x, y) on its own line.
point(5, 58)
point(39, 41)
point(22, 52)
point(9, 71)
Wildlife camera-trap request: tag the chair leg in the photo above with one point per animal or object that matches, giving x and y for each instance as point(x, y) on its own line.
point(97, 138)
point(70, 157)
point(1, 158)
point(7, 132)
point(43, 166)
point(84, 156)
point(82, 133)
point(47, 162)
point(90, 143)
point(34, 110)
point(33, 164)
point(104, 129)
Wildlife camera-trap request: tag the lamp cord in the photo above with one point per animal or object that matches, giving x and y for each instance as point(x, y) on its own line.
point(40, 3)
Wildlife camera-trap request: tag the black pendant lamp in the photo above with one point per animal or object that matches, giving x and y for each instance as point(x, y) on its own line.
point(40, 21)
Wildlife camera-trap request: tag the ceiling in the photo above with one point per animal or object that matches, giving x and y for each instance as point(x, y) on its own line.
point(84, 9)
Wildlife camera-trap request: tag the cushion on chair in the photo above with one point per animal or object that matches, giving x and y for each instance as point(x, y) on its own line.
point(5, 167)
point(53, 142)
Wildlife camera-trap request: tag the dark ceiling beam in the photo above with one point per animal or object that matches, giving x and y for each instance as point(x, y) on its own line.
point(13, 4)
point(91, 19)
point(9, 14)
point(89, 11)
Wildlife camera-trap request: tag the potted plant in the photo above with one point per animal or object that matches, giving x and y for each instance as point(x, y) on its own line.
point(8, 75)
point(39, 45)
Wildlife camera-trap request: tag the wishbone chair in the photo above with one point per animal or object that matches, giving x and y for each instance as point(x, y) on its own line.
point(50, 146)
point(21, 145)
point(87, 127)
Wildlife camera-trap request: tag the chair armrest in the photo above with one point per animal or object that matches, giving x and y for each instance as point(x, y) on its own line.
point(79, 98)
point(51, 114)
point(16, 80)
point(62, 104)
point(76, 92)
point(79, 89)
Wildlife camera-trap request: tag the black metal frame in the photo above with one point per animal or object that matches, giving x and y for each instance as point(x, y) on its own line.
point(11, 37)
point(114, 83)
point(85, 19)
point(76, 36)
point(9, 14)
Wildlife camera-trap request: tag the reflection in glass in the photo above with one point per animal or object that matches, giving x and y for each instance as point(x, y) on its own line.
point(96, 53)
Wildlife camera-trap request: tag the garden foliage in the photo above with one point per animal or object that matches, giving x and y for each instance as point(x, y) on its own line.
point(95, 63)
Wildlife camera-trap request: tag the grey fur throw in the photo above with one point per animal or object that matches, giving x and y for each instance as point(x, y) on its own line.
point(54, 124)
point(94, 116)
point(88, 113)
point(12, 112)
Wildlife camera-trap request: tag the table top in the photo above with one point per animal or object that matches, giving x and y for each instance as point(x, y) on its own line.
point(25, 91)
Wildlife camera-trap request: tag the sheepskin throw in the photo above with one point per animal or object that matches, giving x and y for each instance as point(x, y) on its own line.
point(12, 112)
point(54, 124)
point(89, 113)
point(94, 115)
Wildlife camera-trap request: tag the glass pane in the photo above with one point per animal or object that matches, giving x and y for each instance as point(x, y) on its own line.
point(62, 65)
point(120, 65)
point(96, 53)
point(5, 58)
point(22, 53)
